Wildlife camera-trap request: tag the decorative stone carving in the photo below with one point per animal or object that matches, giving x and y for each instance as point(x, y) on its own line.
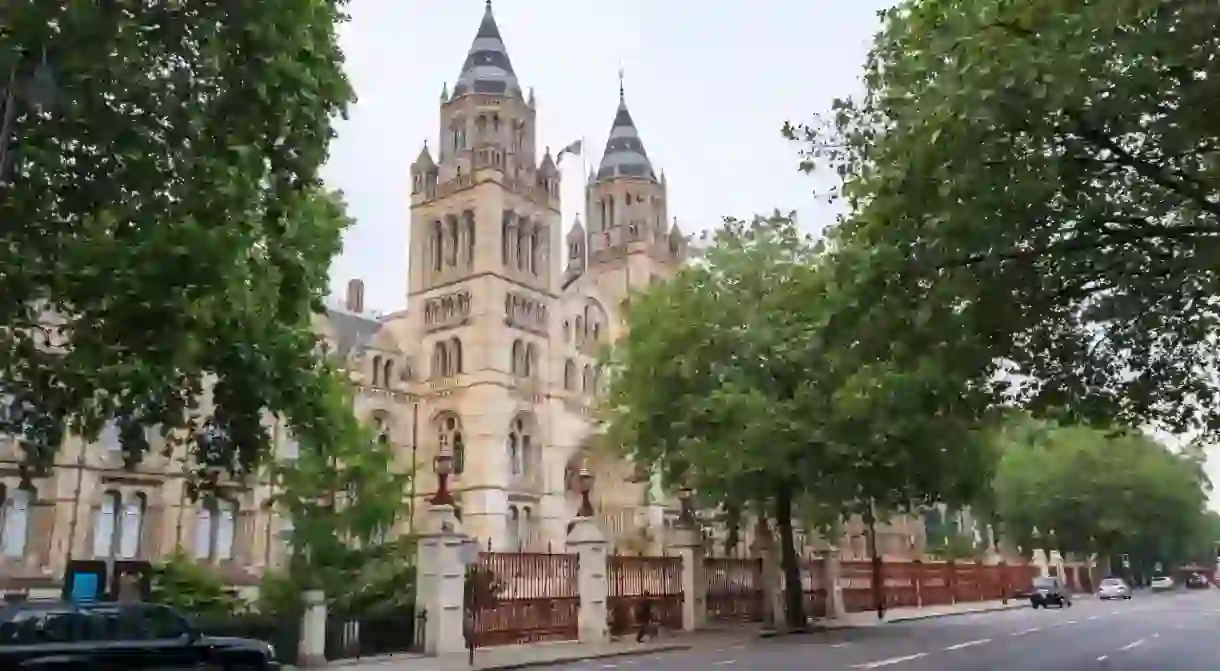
point(526, 313)
point(448, 311)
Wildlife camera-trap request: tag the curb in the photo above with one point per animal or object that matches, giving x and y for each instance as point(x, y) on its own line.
point(572, 659)
point(972, 611)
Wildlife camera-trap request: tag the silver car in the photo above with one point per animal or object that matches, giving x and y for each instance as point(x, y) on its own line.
point(1113, 588)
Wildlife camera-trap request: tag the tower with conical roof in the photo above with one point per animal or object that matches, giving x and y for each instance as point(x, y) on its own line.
point(485, 243)
point(630, 241)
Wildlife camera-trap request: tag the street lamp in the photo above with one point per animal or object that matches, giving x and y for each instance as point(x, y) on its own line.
point(36, 90)
point(444, 466)
point(686, 514)
point(584, 484)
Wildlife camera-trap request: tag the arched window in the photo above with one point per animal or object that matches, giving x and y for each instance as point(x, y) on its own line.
point(518, 358)
point(215, 528)
point(455, 356)
point(531, 360)
point(387, 373)
point(535, 251)
point(514, 528)
point(15, 510)
point(376, 370)
point(521, 446)
point(438, 246)
point(131, 526)
point(514, 454)
point(440, 360)
point(470, 239)
point(580, 330)
point(587, 381)
point(106, 525)
point(454, 244)
point(567, 331)
point(569, 375)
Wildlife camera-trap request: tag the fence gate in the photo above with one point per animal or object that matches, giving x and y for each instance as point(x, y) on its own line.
point(534, 598)
point(632, 579)
point(734, 589)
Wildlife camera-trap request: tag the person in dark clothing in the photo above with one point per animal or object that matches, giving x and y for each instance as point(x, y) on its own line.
point(643, 618)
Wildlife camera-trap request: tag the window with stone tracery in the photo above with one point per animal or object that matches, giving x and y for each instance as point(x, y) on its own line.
point(520, 448)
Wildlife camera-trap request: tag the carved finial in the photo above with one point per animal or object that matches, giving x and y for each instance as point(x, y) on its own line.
point(621, 92)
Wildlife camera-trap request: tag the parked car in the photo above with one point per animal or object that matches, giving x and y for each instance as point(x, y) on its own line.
point(1197, 581)
point(1161, 583)
point(1048, 591)
point(1113, 588)
point(62, 636)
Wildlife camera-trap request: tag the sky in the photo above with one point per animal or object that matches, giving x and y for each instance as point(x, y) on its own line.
point(709, 86)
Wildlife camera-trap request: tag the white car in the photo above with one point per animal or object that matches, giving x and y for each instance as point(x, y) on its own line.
point(1161, 583)
point(1113, 588)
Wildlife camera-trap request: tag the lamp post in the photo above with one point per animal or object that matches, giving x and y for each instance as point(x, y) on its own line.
point(18, 90)
point(584, 482)
point(444, 466)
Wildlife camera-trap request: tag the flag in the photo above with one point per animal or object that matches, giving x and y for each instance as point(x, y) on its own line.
point(575, 149)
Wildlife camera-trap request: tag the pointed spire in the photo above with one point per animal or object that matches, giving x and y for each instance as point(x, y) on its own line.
point(487, 68)
point(548, 167)
point(577, 232)
point(624, 154)
point(445, 92)
point(424, 160)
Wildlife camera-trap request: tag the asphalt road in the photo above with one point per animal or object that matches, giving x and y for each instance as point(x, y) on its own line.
point(1149, 633)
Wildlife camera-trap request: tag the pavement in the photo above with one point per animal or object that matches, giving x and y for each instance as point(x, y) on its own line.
point(1152, 632)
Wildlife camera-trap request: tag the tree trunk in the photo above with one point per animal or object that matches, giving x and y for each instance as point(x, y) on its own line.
point(878, 580)
point(794, 597)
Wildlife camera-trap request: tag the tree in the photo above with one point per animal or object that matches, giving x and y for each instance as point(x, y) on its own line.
point(1084, 490)
point(165, 231)
point(1047, 170)
point(345, 499)
point(181, 583)
point(734, 379)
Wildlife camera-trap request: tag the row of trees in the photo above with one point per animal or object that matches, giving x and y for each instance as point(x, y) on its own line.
point(1031, 205)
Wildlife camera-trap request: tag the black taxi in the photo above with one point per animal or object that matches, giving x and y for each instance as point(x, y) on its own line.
point(112, 636)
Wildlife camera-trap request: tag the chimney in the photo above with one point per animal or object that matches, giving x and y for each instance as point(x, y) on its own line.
point(355, 296)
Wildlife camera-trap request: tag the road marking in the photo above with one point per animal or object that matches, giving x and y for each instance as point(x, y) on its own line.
point(1156, 635)
point(1094, 617)
point(841, 645)
point(1071, 622)
point(1103, 658)
point(726, 662)
point(1026, 631)
point(1130, 646)
point(609, 666)
point(887, 662)
point(968, 644)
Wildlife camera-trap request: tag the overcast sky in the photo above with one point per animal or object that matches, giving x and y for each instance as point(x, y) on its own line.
point(709, 85)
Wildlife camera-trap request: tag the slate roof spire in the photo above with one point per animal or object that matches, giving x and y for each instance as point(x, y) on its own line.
point(487, 68)
point(624, 154)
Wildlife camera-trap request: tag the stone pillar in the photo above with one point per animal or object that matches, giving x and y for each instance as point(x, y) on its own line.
point(763, 547)
point(588, 542)
point(689, 545)
point(830, 581)
point(311, 649)
point(443, 554)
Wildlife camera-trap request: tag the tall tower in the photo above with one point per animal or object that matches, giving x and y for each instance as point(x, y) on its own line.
point(484, 222)
point(630, 242)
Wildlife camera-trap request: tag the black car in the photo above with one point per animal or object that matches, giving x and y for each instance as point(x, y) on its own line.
point(1198, 581)
point(62, 636)
point(1049, 591)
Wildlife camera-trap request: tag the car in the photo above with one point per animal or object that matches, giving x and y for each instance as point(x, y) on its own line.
point(1048, 591)
point(1113, 588)
point(1198, 581)
point(65, 636)
point(1161, 583)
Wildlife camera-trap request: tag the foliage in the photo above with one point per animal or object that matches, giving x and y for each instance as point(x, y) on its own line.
point(181, 583)
point(170, 220)
point(1041, 178)
point(346, 499)
point(1083, 490)
point(737, 377)
point(482, 588)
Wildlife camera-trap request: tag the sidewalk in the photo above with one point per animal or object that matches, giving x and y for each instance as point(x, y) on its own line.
point(545, 654)
point(869, 618)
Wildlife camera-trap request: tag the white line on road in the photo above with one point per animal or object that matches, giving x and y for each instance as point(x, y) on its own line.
point(887, 662)
point(1071, 622)
point(841, 645)
point(1103, 658)
point(968, 644)
point(726, 662)
point(1136, 644)
point(1093, 617)
point(1026, 631)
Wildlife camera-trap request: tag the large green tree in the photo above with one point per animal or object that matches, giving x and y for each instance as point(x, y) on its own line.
point(735, 379)
point(1049, 171)
point(163, 222)
point(1083, 490)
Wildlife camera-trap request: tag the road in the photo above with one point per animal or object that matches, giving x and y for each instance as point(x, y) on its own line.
point(1149, 633)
